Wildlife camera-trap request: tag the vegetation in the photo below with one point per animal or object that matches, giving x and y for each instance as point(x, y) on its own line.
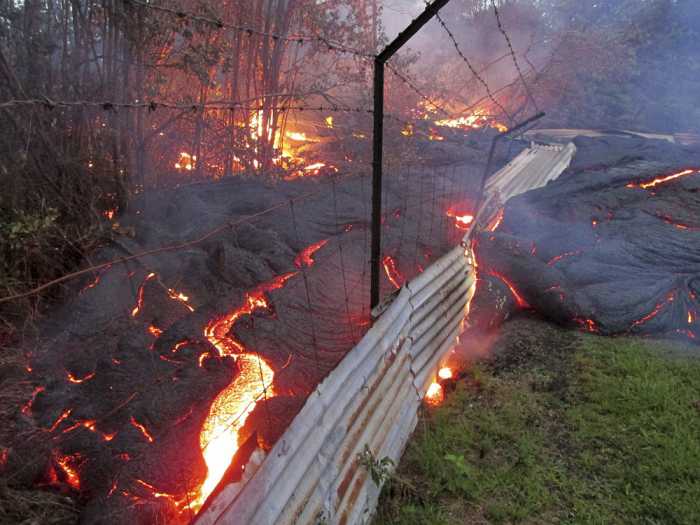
point(605, 431)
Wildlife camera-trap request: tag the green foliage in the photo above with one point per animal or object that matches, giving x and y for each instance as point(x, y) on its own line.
point(379, 469)
point(610, 434)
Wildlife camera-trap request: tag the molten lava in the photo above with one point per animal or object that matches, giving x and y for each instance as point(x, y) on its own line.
point(392, 272)
point(27, 408)
point(142, 429)
point(67, 464)
point(305, 257)
point(669, 299)
point(77, 380)
point(139, 295)
point(496, 221)
point(662, 180)
point(521, 302)
point(218, 439)
point(462, 221)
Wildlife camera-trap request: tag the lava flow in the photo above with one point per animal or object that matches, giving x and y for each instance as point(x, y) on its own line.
point(305, 257)
point(391, 271)
point(462, 221)
point(661, 180)
point(218, 439)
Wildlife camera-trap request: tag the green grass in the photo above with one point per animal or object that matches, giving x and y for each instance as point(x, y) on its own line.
point(605, 432)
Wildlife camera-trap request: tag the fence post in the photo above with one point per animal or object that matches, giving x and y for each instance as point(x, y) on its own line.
point(378, 139)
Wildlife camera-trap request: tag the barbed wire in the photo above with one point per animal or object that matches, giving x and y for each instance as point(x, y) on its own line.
point(412, 85)
point(250, 31)
point(512, 53)
point(474, 72)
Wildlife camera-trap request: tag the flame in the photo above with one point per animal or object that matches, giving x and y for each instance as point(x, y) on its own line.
point(521, 302)
point(445, 373)
point(587, 324)
point(78, 380)
point(435, 394)
point(144, 431)
point(476, 120)
point(662, 180)
point(433, 135)
point(139, 295)
point(315, 167)
point(329, 122)
point(186, 161)
point(218, 438)
point(392, 273)
point(407, 131)
point(305, 256)
point(299, 137)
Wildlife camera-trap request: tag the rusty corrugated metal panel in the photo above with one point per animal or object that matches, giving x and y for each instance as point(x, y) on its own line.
point(371, 398)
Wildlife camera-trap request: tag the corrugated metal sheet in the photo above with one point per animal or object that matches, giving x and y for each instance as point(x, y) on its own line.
point(371, 399)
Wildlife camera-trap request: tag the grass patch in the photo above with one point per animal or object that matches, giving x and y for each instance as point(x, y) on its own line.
point(603, 431)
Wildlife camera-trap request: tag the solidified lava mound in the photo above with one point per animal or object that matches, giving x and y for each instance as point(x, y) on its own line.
point(150, 355)
point(612, 245)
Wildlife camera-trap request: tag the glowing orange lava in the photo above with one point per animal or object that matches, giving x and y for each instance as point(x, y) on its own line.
point(27, 408)
point(305, 257)
point(141, 428)
point(496, 221)
point(181, 298)
point(67, 465)
point(462, 221)
point(669, 299)
point(556, 259)
point(64, 415)
point(662, 180)
point(77, 380)
point(218, 439)
point(139, 295)
point(521, 302)
point(392, 273)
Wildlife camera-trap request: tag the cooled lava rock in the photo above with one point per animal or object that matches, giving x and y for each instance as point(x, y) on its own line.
point(612, 245)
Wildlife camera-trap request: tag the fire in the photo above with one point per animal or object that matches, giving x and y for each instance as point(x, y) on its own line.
point(521, 302)
point(218, 439)
point(478, 119)
point(662, 180)
point(391, 271)
point(435, 394)
point(329, 122)
point(186, 161)
point(587, 324)
point(407, 131)
point(315, 167)
point(305, 257)
point(78, 380)
point(139, 295)
point(299, 137)
point(433, 135)
point(445, 373)
point(141, 428)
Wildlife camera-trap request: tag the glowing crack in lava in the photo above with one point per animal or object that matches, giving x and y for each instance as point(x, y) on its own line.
point(305, 257)
point(521, 302)
point(218, 439)
point(391, 271)
point(662, 180)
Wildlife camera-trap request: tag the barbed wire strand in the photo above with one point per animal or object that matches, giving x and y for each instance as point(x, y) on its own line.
point(512, 53)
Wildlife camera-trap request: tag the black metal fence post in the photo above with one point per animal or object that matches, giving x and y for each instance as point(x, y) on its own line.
point(378, 139)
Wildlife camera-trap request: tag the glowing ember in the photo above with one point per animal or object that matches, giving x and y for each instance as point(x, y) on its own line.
point(109, 214)
point(218, 439)
point(392, 273)
point(69, 469)
point(144, 431)
point(78, 380)
point(435, 395)
point(305, 257)
point(445, 373)
point(139, 295)
point(522, 303)
point(662, 180)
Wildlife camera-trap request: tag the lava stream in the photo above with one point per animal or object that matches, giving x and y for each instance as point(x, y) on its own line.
point(391, 271)
point(305, 257)
point(662, 180)
point(218, 439)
